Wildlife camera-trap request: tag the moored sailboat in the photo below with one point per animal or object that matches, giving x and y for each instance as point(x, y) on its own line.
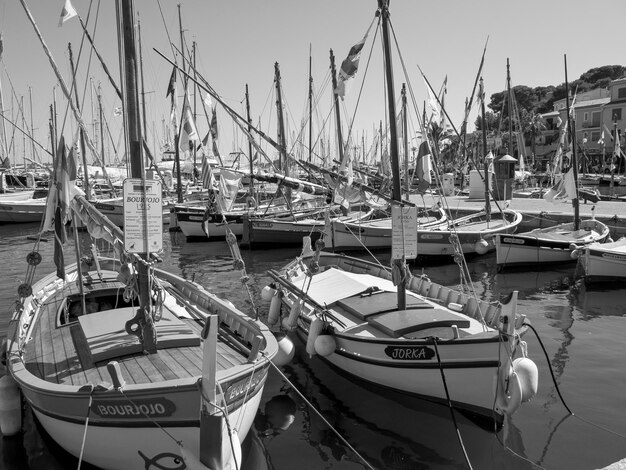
point(557, 244)
point(126, 365)
point(401, 332)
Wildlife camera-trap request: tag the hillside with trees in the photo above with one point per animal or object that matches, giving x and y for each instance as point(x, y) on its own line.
point(538, 100)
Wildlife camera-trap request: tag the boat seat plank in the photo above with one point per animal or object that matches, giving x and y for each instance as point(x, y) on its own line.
point(402, 322)
point(365, 305)
point(74, 373)
point(82, 348)
point(107, 337)
point(48, 345)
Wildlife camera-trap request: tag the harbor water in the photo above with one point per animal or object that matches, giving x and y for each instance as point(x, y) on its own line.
point(330, 421)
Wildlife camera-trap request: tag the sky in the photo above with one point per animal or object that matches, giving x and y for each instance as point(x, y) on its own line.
point(239, 41)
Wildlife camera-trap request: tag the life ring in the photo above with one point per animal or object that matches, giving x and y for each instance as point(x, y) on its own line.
point(251, 202)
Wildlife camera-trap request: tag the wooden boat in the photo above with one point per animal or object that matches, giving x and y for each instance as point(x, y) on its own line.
point(198, 223)
point(475, 233)
point(406, 350)
point(63, 364)
point(401, 332)
point(554, 244)
point(20, 209)
point(376, 233)
point(603, 261)
point(126, 365)
point(548, 245)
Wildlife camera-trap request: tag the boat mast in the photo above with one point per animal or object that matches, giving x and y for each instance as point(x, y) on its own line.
point(250, 142)
point(383, 6)
point(32, 129)
point(147, 331)
point(143, 90)
point(83, 154)
point(310, 108)
point(282, 143)
point(337, 111)
point(195, 89)
point(510, 101)
point(481, 92)
point(571, 127)
point(407, 181)
point(179, 182)
point(5, 148)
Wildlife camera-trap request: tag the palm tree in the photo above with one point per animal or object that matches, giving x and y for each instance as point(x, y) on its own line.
point(532, 125)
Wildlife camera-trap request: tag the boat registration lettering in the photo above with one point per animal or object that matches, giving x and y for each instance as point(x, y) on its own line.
point(430, 236)
point(151, 408)
point(514, 241)
point(409, 353)
point(263, 224)
point(614, 256)
point(243, 386)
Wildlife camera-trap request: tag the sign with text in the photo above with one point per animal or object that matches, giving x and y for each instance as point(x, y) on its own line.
point(143, 216)
point(404, 232)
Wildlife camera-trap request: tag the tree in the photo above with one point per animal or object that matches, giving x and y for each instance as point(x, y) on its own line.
point(532, 125)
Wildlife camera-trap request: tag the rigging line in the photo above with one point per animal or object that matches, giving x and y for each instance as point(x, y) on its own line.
point(25, 133)
point(558, 391)
point(310, 405)
point(73, 74)
point(450, 407)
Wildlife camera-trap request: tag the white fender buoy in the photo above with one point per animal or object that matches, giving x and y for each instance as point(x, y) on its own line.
point(528, 376)
point(574, 254)
point(267, 293)
point(286, 350)
point(292, 320)
point(325, 345)
point(274, 313)
point(317, 325)
point(509, 404)
point(10, 407)
point(481, 246)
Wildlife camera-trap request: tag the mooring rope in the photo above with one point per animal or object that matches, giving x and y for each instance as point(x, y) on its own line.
point(310, 405)
point(445, 387)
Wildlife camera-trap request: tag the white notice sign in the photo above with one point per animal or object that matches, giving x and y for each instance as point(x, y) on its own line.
point(143, 216)
point(404, 232)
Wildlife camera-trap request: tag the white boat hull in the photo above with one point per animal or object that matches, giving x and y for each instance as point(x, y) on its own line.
point(548, 245)
point(604, 261)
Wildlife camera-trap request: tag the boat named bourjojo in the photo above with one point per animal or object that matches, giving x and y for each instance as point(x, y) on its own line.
point(123, 364)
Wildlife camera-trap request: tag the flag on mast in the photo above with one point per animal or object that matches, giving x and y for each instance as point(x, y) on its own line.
point(350, 65)
point(67, 12)
point(188, 132)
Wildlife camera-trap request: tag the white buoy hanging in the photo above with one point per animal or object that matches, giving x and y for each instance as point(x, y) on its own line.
point(286, 350)
point(317, 325)
point(267, 293)
point(10, 407)
point(325, 345)
point(481, 246)
point(292, 320)
point(528, 376)
point(274, 313)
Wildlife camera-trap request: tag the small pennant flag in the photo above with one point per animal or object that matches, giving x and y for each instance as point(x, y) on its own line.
point(171, 86)
point(67, 12)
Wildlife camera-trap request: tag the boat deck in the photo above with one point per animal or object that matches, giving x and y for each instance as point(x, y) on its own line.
point(77, 354)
